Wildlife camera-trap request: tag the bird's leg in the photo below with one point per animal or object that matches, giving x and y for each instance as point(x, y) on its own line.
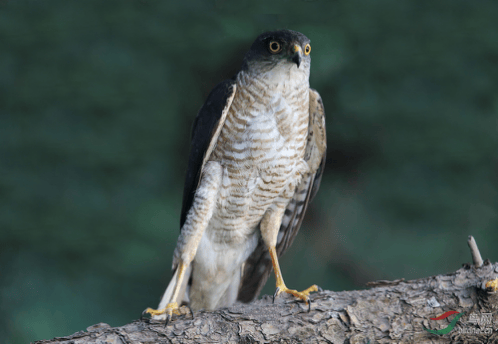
point(270, 225)
point(190, 237)
point(171, 307)
point(281, 287)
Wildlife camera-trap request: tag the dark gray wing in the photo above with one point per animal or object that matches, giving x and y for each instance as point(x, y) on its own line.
point(258, 266)
point(205, 132)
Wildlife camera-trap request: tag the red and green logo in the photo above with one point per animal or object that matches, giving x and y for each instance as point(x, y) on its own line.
point(451, 324)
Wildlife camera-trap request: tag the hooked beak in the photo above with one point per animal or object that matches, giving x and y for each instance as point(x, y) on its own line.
point(298, 55)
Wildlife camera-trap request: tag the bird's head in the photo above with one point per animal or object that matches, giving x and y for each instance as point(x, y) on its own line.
point(284, 49)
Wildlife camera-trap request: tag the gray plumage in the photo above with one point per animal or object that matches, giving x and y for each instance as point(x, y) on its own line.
point(257, 156)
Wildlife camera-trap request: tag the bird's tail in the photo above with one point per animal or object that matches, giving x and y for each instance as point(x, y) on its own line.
point(257, 269)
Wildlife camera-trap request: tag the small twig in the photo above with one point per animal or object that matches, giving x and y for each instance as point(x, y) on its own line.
point(476, 255)
point(385, 283)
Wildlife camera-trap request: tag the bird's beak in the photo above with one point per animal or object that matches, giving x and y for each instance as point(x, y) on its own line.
point(298, 55)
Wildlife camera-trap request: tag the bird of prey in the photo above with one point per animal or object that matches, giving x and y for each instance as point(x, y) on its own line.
point(256, 159)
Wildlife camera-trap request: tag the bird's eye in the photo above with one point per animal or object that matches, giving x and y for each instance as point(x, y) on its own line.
point(274, 47)
point(307, 49)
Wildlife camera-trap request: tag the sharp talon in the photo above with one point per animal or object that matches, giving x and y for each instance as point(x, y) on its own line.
point(191, 312)
point(275, 294)
point(309, 305)
point(168, 317)
point(319, 288)
point(143, 314)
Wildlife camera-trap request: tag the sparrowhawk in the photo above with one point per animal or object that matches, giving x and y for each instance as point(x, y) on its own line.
point(256, 160)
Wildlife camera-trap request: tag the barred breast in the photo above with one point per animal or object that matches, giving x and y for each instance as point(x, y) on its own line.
point(261, 149)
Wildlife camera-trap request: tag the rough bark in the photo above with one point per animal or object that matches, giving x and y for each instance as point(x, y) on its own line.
point(387, 312)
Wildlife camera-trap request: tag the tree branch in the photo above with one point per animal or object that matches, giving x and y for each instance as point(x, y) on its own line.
point(389, 312)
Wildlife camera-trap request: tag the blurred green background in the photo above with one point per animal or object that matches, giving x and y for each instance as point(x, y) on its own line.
point(96, 103)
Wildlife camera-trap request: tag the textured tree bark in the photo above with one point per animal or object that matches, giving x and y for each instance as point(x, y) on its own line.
point(388, 312)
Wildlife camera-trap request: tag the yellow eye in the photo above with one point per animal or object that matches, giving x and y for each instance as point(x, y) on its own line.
point(307, 49)
point(274, 47)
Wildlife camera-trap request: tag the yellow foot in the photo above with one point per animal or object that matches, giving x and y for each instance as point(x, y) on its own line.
point(492, 285)
point(165, 313)
point(303, 295)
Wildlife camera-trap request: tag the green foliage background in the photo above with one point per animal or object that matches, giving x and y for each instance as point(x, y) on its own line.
point(97, 99)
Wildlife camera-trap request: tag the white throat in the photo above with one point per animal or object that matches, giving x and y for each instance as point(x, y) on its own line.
point(284, 76)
